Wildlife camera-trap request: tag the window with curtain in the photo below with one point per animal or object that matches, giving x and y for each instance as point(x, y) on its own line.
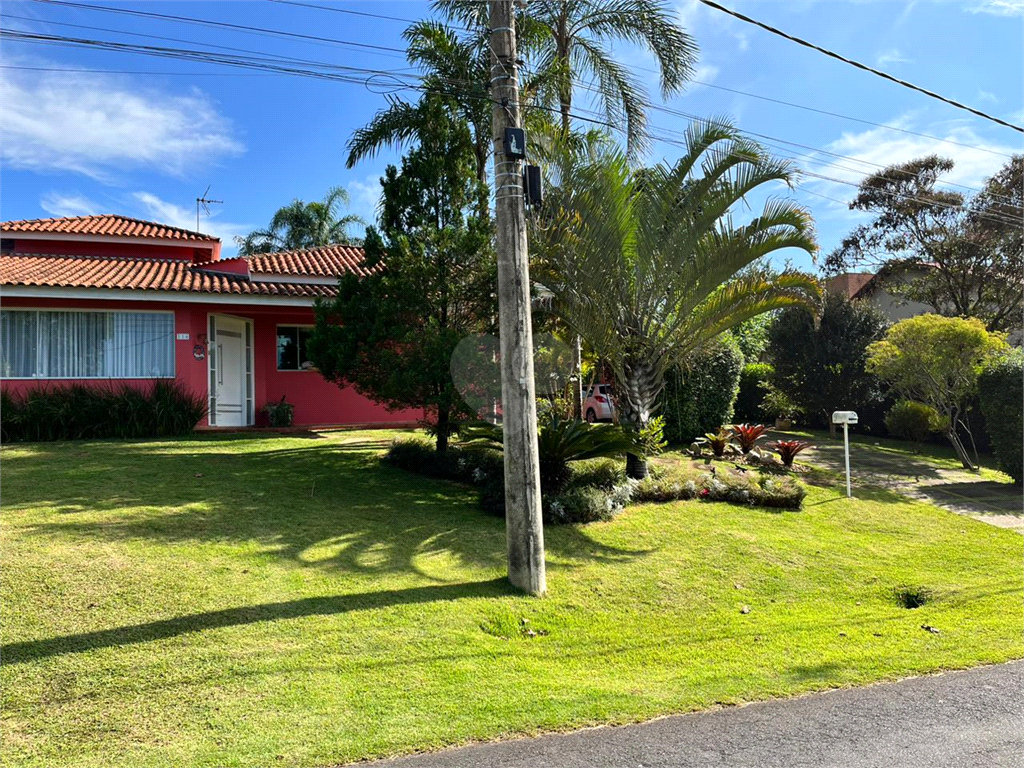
point(86, 345)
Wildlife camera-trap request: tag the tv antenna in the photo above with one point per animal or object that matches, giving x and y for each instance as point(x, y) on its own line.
point(205, 202)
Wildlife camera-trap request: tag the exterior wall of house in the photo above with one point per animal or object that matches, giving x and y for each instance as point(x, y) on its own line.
point(316, 401)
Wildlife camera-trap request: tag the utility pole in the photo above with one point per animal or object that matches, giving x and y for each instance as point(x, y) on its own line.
point(523, 523)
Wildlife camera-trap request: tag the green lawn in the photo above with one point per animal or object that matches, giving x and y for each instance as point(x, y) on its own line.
point(289, 601)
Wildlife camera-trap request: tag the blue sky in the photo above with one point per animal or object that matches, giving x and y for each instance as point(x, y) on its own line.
point(146, 140)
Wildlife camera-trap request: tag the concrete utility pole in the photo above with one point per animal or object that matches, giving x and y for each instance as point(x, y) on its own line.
point(523, 523)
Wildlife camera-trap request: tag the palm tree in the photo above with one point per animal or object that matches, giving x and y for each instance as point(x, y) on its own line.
point(649, 265)
point(454, 68)
point(303, 225)
point(566, 41)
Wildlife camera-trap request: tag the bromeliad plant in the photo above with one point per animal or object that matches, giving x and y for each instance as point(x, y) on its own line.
point(649, 265)
point(788, 449)
point(561, 441)
point(747, 435)
point(717, 442)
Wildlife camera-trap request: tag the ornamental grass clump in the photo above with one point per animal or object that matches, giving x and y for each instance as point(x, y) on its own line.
point(747, 488)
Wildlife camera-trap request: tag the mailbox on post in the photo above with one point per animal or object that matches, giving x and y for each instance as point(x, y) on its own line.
point(846, 418)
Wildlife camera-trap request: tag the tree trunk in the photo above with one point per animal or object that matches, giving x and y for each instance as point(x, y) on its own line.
point(443, 429)
point(953, 435)
point(637, 394)
point(577, 372)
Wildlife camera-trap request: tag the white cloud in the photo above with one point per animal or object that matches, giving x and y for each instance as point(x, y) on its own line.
point(985, 97)
point(365, 196)
point(61, 204)
point(999, 7)
point(705, 73)
point(157, 209)
point(692, 15)
point(869, 151)
point(889, 57)
point(96, 124)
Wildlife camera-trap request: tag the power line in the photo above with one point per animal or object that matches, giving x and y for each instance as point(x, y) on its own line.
point(269, 63)
point(865, 67)
point(846, 117)
point(223, 24)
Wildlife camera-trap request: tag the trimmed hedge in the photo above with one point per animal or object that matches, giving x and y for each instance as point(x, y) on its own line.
point(755, 381)
point(1001, 391)
point(79, 412)
point(699, 398)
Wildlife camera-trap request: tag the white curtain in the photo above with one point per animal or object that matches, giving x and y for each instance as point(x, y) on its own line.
point(17, 344)
point(81, 345)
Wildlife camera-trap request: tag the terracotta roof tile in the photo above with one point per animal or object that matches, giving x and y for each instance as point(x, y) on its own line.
point(849, 284)
point(141, 274)
point(107, 224)
point(326, 261)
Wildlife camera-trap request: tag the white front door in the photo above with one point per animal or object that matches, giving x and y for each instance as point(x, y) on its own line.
point(229, 371)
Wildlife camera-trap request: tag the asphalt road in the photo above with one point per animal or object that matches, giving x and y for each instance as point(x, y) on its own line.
point(959, 719)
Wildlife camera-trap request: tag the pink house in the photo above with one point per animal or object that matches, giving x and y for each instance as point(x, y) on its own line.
point(109, 298)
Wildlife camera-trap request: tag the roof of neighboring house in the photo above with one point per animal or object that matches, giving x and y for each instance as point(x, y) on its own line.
point(850, 284)
point(142, 274)
point(326, 261)
point(108, 225)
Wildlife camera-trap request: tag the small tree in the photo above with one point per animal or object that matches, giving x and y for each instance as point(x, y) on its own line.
point(936, 361)
point(820, 365)
point(391, 334)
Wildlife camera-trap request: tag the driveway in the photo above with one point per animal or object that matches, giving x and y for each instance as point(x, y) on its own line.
point(957, 490)
point(962, 719)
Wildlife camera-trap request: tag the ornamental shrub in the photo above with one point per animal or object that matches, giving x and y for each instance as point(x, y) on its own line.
point(699, 397)
point(1001, 390)
point(755, 383)
point(911, 420)
point(78, 412)
point(756, 489)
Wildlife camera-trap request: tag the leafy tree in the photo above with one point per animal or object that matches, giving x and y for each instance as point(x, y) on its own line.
point(961, 257)
point(391, 335)
point(646, 266)
point(936, 361)
point(820, 362)
point(303, 225)
point(567, 43)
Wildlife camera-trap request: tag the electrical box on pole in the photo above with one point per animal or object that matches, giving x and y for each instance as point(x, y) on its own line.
point(846, 418)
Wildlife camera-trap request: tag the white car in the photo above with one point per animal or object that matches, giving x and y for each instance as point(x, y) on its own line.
point(598, 405)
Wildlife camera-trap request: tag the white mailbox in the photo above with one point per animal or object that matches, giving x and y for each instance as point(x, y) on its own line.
point(846, 418)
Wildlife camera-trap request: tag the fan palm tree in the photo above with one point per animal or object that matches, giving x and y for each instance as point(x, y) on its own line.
point(303, 225)
point(566, 41)
point(649, 265)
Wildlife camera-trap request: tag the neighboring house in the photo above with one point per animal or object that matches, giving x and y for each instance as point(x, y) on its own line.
point(95, 299)
point(871, 288)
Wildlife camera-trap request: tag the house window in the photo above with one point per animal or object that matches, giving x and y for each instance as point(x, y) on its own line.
point(86, 345)
point(292, 341)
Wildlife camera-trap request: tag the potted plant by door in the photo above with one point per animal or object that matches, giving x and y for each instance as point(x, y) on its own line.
point(280, 413)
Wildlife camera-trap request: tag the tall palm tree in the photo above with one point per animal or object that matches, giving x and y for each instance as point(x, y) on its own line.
point(454, 68)
point(566, 41)
point(649, 265)
point(303, 225)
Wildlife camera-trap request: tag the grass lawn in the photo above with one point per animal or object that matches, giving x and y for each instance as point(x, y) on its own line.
point(277, 600)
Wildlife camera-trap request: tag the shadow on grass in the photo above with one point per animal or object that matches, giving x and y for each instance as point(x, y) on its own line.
point(326, 505)
point(32, 650)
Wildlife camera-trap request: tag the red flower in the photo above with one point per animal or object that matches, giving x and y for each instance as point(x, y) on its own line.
point(705, 492)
